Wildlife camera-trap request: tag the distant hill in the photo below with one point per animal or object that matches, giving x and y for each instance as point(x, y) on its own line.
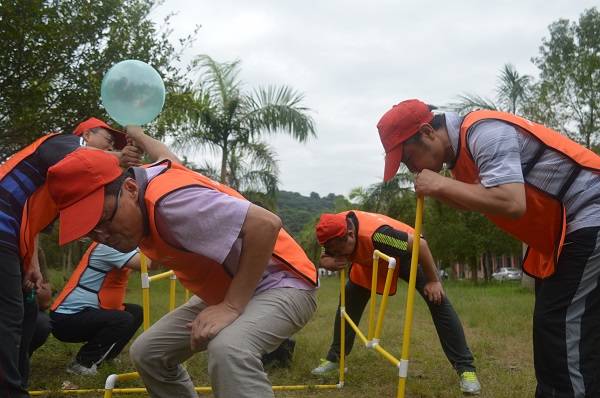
point(296, 210)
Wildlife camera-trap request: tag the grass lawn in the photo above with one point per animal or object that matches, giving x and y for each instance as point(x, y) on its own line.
point(496, 318)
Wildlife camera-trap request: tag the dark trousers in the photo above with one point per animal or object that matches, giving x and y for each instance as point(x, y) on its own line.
point(17, 321)
point(41, 332)
point(105, 332)
point(566, 321)
point(445, 319)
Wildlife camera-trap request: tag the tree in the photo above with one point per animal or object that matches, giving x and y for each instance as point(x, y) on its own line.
point(568, 93)
point(53, 55)
point(229, 120)
point(512, 92)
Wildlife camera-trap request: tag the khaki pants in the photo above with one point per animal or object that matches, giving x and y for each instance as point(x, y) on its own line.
point(234, 355)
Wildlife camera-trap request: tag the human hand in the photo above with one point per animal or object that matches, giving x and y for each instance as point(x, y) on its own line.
point(434, 292)
point(131, 156)
point(332, 263)
point(33, 278)
point(428, 183)
point(209, 322)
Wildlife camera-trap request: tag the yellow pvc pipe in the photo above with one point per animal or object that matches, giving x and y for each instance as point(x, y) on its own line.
point(393, 360)
point(384, 300)
point(145, 290)
point(373, 300)
point(187, 295)
point(356, 329)
point(162, 275)
point(410, 300)
point(172, 290)
point(342, 324)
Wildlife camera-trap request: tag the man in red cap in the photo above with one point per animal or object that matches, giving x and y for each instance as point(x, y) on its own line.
point(253, 285)
point(536, 185)
point(25, 211)
point(351, 237)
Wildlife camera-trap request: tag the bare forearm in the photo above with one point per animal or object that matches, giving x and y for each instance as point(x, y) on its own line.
point(505, 200)
point(425, 259)
point(259, 234)
point(155, 149)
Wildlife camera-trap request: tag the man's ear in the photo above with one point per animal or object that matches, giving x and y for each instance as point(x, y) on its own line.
point(426, 131)
point(131, 188)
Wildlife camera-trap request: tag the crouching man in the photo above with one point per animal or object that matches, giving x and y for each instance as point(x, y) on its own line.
point(253, 284)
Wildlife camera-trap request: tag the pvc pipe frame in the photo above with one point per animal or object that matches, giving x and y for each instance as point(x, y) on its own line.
point(372, 341)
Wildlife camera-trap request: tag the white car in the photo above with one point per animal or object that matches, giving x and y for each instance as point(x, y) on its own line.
point(507, 274)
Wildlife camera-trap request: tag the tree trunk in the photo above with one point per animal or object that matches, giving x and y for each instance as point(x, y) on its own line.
point(224, 156)
point(527, 281)
point(474, 268)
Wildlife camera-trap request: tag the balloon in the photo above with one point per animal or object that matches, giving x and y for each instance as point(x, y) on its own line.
point(132, 92)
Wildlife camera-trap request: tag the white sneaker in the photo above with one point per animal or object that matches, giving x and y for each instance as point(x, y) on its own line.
point(326, 367)
point(469, 384)
point(78, 369)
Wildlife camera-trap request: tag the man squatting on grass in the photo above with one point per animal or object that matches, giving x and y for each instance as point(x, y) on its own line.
point(542, 188)
point(351, 237)
point(254, 286)
point(91, 308)
point(25, 210)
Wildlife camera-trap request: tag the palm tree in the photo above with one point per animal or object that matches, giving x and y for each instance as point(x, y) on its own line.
point(228, 120)
point(511, 94)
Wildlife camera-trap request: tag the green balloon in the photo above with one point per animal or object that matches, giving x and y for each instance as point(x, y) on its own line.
point(132, 92)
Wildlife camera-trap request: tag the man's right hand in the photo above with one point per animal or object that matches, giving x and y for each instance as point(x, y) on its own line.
point(131, 156)
point(332, 263)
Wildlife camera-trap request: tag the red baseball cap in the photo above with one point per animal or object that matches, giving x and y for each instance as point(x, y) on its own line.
point(398, 125)
point(76, 184)
point(331, 226)
point(119, 136)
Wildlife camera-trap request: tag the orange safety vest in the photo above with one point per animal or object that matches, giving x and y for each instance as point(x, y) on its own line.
point(204, 277)
point(112, 291)
point(38, 211)
point(362, 257)
point(543, 226)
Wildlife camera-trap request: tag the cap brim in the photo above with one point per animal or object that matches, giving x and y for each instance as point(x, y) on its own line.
point(392, 163)
point(119, 137)
point(80, 218)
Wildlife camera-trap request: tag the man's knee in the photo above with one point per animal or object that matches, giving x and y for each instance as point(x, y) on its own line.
point(229, 353)
point(138, 351)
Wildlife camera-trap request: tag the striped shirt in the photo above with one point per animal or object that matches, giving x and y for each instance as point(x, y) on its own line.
point(502, 152)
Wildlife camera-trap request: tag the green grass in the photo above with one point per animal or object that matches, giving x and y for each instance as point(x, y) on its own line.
point(496, 318)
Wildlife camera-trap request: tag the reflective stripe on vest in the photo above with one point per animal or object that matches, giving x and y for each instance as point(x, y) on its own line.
point(36, 208)
point(362, 257)
point(543, 226)
point(201, 275)
point(112, 290)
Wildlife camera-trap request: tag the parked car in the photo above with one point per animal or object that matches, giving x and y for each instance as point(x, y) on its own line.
point(507, 274)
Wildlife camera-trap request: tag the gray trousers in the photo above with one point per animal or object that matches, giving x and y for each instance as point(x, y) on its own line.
point(234, 355)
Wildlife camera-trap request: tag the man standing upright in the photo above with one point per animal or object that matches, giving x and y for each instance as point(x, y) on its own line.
point(540, 187)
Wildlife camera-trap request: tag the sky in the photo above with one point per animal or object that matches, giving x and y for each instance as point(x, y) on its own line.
point(353, 60)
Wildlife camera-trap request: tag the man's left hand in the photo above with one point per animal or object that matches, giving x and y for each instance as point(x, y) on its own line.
point(434, 292)
point(33, 279)
point(209, 322)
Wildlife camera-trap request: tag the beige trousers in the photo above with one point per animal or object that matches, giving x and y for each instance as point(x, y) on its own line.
point(234, 355)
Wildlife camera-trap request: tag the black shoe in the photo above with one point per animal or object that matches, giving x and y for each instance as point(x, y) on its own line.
point(281, 357)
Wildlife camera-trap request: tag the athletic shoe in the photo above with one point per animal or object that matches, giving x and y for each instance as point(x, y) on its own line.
point(469, 383)
point(327, 367)
point(78, 369)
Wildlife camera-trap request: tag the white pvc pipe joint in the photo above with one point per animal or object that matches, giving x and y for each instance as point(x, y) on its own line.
point(403, 368)
point(111, 381)
point(145, 281)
